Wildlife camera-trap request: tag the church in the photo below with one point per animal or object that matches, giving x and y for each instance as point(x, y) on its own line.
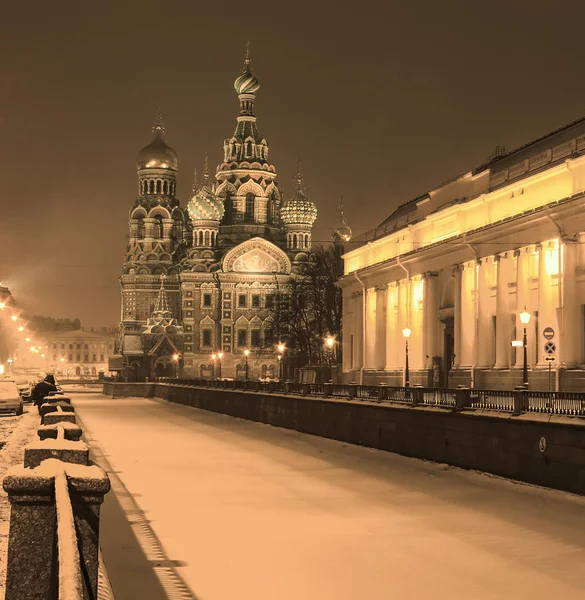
point(200, 283)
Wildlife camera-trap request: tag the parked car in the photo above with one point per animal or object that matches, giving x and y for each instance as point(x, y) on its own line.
point(24, 387)
point(10, 398)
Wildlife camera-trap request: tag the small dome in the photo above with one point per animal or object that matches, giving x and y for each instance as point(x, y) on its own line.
point(246, 83)
point(205, 206)
point(299, 210)
point(157, 155)
point(342, 232)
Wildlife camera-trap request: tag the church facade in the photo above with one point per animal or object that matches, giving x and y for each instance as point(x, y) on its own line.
point(199, 282)
point(454, 274)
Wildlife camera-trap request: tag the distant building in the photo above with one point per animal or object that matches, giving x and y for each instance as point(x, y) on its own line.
point(201, 280)
point(79, 353)
point(457, 267)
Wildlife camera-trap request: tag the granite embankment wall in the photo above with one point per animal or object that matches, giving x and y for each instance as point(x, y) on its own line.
point(541, 449)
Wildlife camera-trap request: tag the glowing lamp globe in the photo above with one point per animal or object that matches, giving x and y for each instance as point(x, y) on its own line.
point(406, 332)
point(524, 317)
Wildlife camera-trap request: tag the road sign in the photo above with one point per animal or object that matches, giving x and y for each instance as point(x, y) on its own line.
point(549, 358)
point(548, 333)
point(550, 348)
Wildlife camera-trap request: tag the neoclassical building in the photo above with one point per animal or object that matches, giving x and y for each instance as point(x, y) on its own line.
point(201, 280)
point(458, 265)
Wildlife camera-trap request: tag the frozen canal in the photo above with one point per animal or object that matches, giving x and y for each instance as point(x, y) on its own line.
point(248, 511)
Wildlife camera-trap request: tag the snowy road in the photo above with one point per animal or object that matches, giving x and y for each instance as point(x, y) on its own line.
point(250, 511)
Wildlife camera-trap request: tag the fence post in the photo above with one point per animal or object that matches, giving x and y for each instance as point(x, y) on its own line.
point(32, 558)
point(461, 398)
point(351, 391)
point(327, 390)
point(417, 395)
point(382, 393)
point(520, 401)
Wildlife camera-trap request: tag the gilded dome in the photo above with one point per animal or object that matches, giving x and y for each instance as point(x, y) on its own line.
point(157, 155)
point(342, 232)
point(299, 210)
point(205, 206)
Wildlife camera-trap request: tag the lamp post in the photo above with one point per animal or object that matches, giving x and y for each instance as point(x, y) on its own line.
point(213, 358)
point(406, 334)
point(329, 344)
point(246, 354)
point(281, 348)
point(176, 361)
point(219, 357)
point(525, 319)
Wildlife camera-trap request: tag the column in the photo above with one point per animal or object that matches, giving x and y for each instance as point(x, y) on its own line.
point(546, 316)
point(571, 326)
point(403, 296)
point(430, 321)
point(458, 275)
point(503, 318)
point(484, 328)
point(358, 357)
point(381, 320)
point(370, 328)
point(348, 324)
point(392, 333)
point(468, 328)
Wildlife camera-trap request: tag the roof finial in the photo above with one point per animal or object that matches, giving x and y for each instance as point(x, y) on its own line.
point(195, 186)
point(206, 171)
point(158, 127)
point(341, 209)
point(299, 177)
point(247, 59)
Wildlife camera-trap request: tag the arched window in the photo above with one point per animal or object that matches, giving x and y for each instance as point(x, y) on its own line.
point(151, 186)
point(140, 228)
point(294, 240)
point(207, 240)
point(228, 217)
point(249, 218)
point(158, 186)
point(165, 187)
point(200, 242)
point(158, 227)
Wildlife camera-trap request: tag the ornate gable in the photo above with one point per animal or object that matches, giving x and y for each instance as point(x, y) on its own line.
point(256, 255)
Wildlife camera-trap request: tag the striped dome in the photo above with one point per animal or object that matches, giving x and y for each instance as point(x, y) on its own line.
point(205, 206)
point(246, 84)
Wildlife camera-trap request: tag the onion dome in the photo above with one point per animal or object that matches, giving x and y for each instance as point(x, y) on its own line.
point(342, 232)
point(246, 83)
point(204, 205)
point(158, 154)
point(299, 210)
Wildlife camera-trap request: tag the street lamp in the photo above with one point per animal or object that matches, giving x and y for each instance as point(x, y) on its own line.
point(406, 333)
point(213, 358)
point(246, 354)
point(14, 318)
point(281, 348)
point(525, 319)
point(176, 361)
point(329, 344)
point(219, 356)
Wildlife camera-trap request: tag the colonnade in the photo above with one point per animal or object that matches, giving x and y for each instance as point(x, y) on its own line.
point(484, 297)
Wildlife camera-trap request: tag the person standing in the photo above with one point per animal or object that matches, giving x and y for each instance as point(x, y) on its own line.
point(42, 390)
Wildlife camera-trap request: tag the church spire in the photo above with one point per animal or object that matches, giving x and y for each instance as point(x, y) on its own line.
point(206, 171)
point(247, 59)
point(162, 305)
point(159, 126)
point(342, 231)
point(195, 185)
point(300, 182)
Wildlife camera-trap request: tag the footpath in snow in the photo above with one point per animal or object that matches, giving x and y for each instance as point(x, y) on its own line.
point(242, 509)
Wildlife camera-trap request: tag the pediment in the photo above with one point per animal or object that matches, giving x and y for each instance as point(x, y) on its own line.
point(256, 256)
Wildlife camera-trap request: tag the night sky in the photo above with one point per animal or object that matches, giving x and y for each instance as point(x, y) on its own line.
point(381, 100)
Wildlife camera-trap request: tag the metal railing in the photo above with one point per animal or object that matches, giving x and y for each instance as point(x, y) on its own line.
point(557, 403)
point(562, 403)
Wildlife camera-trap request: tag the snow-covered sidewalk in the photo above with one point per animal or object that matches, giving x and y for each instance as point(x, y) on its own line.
point(16, 433)
point(245, 510)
